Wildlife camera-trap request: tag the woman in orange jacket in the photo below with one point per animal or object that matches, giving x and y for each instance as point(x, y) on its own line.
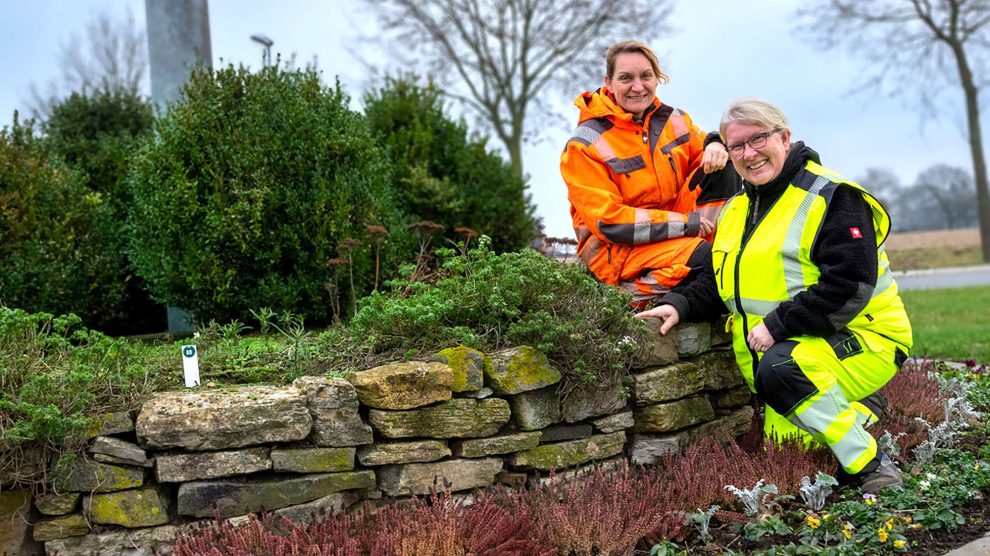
point(645, 185)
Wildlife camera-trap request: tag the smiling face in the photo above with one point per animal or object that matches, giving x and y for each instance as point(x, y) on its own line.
point(634, 83)
point(762, 165)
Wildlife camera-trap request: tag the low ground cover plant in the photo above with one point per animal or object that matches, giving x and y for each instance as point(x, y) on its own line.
point(682, 505)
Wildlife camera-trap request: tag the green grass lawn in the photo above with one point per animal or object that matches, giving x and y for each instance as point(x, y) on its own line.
point(951, 324)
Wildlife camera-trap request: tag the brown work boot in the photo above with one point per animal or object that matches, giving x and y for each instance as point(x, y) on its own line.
point(886, 474)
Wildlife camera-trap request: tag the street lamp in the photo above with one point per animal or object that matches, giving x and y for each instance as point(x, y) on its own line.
point(266, 57)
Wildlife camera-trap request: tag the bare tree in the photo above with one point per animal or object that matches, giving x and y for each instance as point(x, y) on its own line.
point(951, 189)
point(917, 44)
point(114, 55)
point(500, 57)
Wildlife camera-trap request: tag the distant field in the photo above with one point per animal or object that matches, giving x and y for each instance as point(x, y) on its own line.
point(951, 324)
point(934, 249)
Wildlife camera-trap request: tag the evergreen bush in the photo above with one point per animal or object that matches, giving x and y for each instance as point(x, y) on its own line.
point(96, 135)
point(251, 188)
point(442, 174)
point(59, 250)
point(491, 301)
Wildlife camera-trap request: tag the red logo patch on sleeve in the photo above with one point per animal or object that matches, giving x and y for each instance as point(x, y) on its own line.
point(856, 233)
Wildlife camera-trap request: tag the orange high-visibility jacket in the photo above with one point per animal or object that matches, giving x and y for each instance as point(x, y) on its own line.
point(627, 181)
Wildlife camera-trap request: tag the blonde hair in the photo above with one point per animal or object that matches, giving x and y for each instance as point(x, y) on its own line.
point(633, 47)
point(753, 111)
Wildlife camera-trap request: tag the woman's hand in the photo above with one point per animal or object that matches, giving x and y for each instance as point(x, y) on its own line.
point(715, 158)
point(707, 227)
point(759, 338)
point(667, 314)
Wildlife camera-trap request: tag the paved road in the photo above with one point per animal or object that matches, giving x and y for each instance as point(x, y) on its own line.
point(954, 277)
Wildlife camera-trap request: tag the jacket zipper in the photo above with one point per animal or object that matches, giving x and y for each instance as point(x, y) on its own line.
point(739, 307)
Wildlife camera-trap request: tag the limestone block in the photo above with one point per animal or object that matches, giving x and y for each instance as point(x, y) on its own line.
point(468, 366)
point(419, 478)
point(111, 423)
point(617, 422)
point(198, 498)
point(536, 409)
point(57, 504)
point(724, 428)
point(151, 541)
point(60, 527)
point(734, 397)
point(84, 476)
point(719, 369)
point(333, 403)
point(606, 466)
point(513, 479)
point(457, 418)
point(720, 337)
point(304, 514)
point(313, 460)
point(648, 449)
point(15, 516)
point(479, 394)
point(403, 385)
point(140, 507)
point(120, 450)
point(178, 468)
point(672, 416)
point(655, 349)
point(495, 445)
point(388, 453)
point(520, 369)
point(593, 399)
point(103, 458)
point(692, 338)
point(224, 418)
point(570, 453)
point(559, 433)
point(667, 383)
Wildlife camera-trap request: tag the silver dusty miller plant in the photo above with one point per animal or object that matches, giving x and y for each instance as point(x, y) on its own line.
point(755, 499)
point(702, 520)
point(815, 494)
point(958, 414)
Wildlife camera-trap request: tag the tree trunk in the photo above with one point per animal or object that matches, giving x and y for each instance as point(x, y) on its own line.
point(976, 148)
point(514, 145)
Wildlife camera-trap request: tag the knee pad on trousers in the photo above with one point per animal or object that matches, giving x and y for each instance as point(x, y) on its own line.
point(779, 381)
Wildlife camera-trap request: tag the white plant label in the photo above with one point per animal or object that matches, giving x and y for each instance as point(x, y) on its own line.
point(190, 366)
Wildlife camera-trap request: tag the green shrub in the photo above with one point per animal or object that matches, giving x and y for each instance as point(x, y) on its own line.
point(490, 301)
point(443, 175)
point(58, 247)
point(252, 186)
point(96, 135)
point(57, 376)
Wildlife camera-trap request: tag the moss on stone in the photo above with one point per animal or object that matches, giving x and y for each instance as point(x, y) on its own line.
point(520, 370)
point(469, 366)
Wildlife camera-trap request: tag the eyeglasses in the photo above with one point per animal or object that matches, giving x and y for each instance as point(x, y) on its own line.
point(757, 141)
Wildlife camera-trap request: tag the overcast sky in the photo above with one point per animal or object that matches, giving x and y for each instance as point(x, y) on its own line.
point(721, 49)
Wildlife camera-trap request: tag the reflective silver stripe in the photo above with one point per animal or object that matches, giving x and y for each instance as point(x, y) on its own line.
point(819, 416)
point(586, 135)
point(885, 279)
point(675, 229)
point(758, 307)
point(793, 274)
point(641, 231)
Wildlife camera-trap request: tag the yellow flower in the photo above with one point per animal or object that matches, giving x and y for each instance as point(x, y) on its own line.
point(882, 534)
point(847, 530)
point(889, 524)
point(899, 544)
point(813, 522)
point(869, 501)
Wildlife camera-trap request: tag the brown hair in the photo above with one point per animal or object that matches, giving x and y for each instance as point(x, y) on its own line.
point(633, 47)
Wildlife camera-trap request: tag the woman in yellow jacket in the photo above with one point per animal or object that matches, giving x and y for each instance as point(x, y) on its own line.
point(639, 204)
point(817, 324)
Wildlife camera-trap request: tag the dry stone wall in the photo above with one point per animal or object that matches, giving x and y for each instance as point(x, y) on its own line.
point(463, 420)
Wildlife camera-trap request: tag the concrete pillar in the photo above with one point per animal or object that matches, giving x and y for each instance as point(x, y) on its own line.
point(178, 40)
